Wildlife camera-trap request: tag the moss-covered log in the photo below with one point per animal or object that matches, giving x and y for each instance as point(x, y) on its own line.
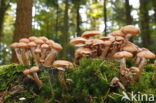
point(86, 83)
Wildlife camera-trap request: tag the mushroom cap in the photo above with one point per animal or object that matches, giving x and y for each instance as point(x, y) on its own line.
point(22, 45)
point(39, 41)
point(130, 29)
point(81, 51)
point(14, 45)
point(78, 41)
point(122, 54)
point(57, 46)
point(43, 38)
point(130, 47)
point(134, 69)
point(112, 38)
point(107, 43)
point(62, 64)
point(50, 42)
point(44, 46)
point(26, 72)
point(32, 38)
point(119, 38)
point(146, 54)
point(117, 33)
point(88, 34)
point(37, 50)
point(24, 40)
point(104, 38)
point(97, 42)
point(32, 44)
point(34, 69)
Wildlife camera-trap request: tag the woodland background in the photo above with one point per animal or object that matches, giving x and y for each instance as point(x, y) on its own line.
point(61, 20)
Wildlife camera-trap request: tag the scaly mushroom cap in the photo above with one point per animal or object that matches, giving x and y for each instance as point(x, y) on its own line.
point(88, 34)
point(146, 54)
point(34, 69)
point(107, 43)
point(78, 41)
point(26, 71)
point(32, 38)
point(123, 54)
point(130, 29)
point(50, 42)
point(97, 42)
point(117, 33)
point(130, 47)
point(14, 45)
point(37, 50)
point(62, 64)
point(24, 40)
point(32, 44)
point(22, 45)
point(43, 38)
point(39, 41)
point(44, 46)
point(57, 46)
point(81, 51)
point(112, 38)
point(119, 38)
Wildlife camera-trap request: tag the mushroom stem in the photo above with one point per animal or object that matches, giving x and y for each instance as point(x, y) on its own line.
point(30, 76)
point(37, 80)
point(142, 64)
point(122, 65)
point(137, 61)
point(121, 86)
point(19, 57)
point(104, 52)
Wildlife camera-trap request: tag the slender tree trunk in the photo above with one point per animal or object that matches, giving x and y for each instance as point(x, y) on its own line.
point(129, 19)
point(105, 16)
point(78, 18)
point(23, 23)
point(65, 35)
point(3, 8)
point(144, 23)
point(154, 6)
point(57, 19)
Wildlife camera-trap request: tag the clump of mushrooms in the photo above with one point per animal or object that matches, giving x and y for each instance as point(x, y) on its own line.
point(115, 46)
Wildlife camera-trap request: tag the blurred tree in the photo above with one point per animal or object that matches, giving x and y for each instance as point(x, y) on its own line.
point(128, 16)
point(105, 16)
point(154, 6)
point(144, 23)
point(23, 23)
point(4, 5)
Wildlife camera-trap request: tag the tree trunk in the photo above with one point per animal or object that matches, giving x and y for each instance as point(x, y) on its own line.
point(105, 16)
point(57, 19)
point(144, 23)
point(78, 18)
point(23, 23)
point(154, 6)
point(3, 8)
point(128, 8)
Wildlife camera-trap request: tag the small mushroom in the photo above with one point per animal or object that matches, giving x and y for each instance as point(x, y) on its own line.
point(28, 74)
point(89, 34)
point(34, 71)
point(130, 47)
point(39, 42)
point(129, 31)
point(79, 41)
point(115, 81)
point(118, 33)
point(32, 38)
point(122, 56)
point(44, 49)
point(38, 56)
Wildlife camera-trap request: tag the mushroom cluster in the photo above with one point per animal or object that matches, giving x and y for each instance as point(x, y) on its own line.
point(115, 46)
point(42, 50)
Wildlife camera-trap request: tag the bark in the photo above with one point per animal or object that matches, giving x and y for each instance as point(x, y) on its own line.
point(105, 16)
point(23, 23)
point(128, 8)
point(78, 29)
point(154, 6)
point(144, 23)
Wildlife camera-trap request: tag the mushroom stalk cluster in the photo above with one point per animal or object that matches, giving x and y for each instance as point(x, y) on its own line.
point(42, 50)
point(115, 46)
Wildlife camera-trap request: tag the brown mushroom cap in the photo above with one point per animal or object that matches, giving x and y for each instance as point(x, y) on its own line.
point(146, 54)
point(62, 64)
point(81, 51)
point(26, 72)
point(32, 38)
point(57, 46)
point(130, 47)
point(123, 54)
point(44, 46)
point(78, 41)
point(88, 34)
point(117, 33)
point(24, 40)
point(97, 42)
point(50, 42)
point(14, 45)
point(130, 29)
point(107, 43)
point(39, 41)
point(22, 45)
point(37, 50)
point(104, 38)
point(32, 44)
point(34, 69)
point(43, 38)
point(134, 69)
point(119, 38)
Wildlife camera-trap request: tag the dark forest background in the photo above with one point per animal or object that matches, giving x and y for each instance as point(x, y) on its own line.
point(61, 20)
